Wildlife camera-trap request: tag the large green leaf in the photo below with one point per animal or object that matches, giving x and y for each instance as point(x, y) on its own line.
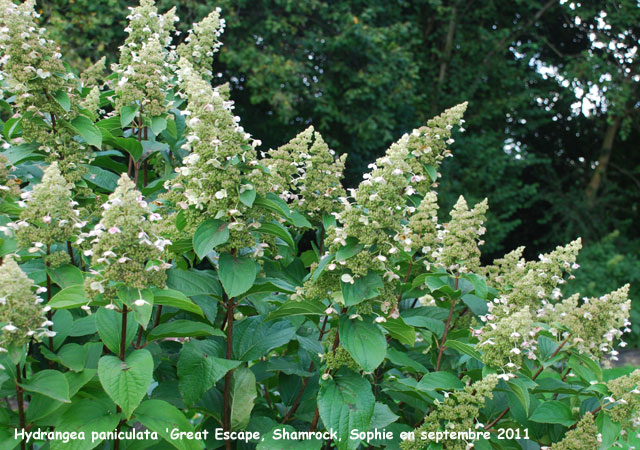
point(126, 382)
point(352, 248)
point(109, 326)
point(175, 299)
point(51, 383)
point(162, 417)
point(346, 403)
point(362, 288)
point(194, 282)
point(364, 341)
point(440, 381)
point(87, 129)
point(66, 276)
point(237, 274)
point(69, 297)
point(553, 411)
point(183, 328)
point(277, 230)
point(210, 234)
point(304, 307)
point(63, 99)
point(199, 370)
point(243, 395)
point(254, 337)
point(127, 114)
point(87, 415)
point(399, 330)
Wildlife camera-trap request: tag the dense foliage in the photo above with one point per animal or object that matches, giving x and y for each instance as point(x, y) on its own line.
point(161, 269)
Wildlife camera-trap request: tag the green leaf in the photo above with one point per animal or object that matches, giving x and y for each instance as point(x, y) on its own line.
point(129, 145)
point(158, 125)
point(352, 248)
point(479, 285)
point(175, 299)
point(63, 100)
point(66, 276)
point(433, 173)
point(305, 307)
point(109, 326)
point(210, 234)
point(402, 359)
point(236, 274)
point(141, 314)
point(243, 395)
point(50, 383)
point(102, 178)
point(127, 114)
point(477, 306)
point(553, 411)
point(346, 403)
point(70, 297)
point(194, 282)
point(399, 330)
point(463, 348)
point(362, 288)
point(71, 355)
point(364, 341)
point(382, 417)
point(268, 442)
point(521, 392)
point(87, 415)
point(444, 381)
point(277, 230)
point(199, 370)
point(248, 196)
point(162, 417)
point(321, 266)
point(254, 337)
point(126, 382)
point(183, 328)
point(87, 129)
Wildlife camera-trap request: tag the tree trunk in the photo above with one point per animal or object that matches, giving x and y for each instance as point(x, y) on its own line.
point(446, 57)
point(603, 161)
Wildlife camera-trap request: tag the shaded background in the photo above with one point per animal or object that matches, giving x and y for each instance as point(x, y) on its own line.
point(552, 125)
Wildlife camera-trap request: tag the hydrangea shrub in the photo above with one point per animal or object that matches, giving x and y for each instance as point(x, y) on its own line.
point(161, 271)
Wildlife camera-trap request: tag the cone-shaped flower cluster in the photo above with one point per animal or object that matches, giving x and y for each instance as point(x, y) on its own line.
point(306, 173)
point(22, 316)
point(625, 393)
point(220, 171)
point(49, 215)
point(145, 68)
point(458, 412)
point(583, 437)
point(127, 249)
point(202, 43)
point(8, 185)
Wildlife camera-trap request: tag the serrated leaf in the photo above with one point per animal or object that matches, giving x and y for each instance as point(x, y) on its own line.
point(277, 230)
point(127, 114)
point(87, 415)
point(70, 297)
point(183, 328)
point(399, 330)
point(210, 234)
point(440, 381)
point(237, 274)
point(199, 370)
point(162, 417)
point(126, 382)
point(63, 99)
point(87, 129)
point(50, 383)
point(243, 395)
point(362, 288)
point(175, 299)
point(364, 341)
point(158, 125)
point(553, 411)
point(109, 326)
point(346, 403)
point(305, 307)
